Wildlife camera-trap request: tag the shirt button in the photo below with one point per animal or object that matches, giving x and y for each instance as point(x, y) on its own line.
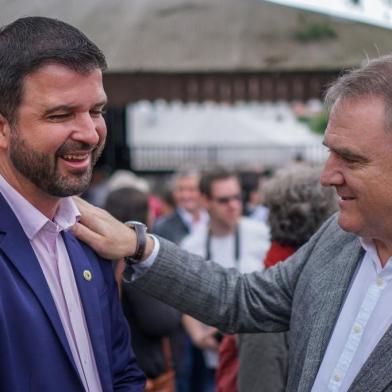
point(380, 282)
point(357, 328)
point(337, 377)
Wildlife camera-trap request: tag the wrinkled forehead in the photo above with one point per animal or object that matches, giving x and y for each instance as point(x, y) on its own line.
point(347, 107)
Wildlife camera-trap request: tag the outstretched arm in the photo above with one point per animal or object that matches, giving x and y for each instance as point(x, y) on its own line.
point(203, 289)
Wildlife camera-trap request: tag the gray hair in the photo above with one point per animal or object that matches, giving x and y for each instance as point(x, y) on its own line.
point(298, 204)
point(372, 79)
point(185, 173)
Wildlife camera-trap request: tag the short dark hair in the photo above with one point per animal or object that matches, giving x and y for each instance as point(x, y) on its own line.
point(210, 176)
point(128, 204)
point(30, 42)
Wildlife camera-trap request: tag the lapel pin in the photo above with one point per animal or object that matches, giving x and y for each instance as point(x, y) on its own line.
point(87, 275)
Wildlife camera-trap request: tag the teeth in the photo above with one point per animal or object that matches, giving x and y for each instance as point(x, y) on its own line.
point(75, 157)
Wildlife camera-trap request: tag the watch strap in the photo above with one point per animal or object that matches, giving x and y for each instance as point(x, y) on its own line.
point(141, 242)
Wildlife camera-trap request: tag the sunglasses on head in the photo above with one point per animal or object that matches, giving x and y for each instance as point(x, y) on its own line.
point(227, 199)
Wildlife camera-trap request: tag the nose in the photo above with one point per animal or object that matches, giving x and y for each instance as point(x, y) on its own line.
point(331, 174)
point(88, 130)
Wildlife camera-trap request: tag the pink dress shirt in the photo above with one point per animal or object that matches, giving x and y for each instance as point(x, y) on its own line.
point(48, 245)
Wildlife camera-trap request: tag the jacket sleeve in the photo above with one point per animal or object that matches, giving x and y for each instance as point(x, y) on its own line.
point(260, 301)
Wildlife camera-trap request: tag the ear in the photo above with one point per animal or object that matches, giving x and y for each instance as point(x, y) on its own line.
point(5, 132)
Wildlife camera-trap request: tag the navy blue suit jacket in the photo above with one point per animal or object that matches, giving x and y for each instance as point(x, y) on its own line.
point(34, 352)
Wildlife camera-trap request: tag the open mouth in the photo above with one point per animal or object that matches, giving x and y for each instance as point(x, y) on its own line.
point(345, 198)
point(75, 157)
point(76, 162)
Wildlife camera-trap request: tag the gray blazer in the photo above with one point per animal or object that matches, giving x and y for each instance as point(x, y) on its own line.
point(263, 360)
point(303, 295)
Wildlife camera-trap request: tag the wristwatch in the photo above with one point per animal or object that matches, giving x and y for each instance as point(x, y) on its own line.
point(141, 242)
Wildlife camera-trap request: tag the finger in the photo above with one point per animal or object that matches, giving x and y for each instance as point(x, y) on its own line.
point(81, 204)
point(92, 217)
point(86, 235)
point(85, 208)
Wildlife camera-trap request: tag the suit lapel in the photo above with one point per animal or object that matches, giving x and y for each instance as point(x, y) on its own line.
point(91, 305)
point(16, 246)
point(332, 284)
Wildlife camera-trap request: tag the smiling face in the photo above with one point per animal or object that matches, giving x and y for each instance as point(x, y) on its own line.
point(360, 166)
point(186, 193)
point(59, 133)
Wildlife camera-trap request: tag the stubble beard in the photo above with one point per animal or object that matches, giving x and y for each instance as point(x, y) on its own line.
point(42, 169)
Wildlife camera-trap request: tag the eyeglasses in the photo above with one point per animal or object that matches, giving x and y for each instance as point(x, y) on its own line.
point(227, 199)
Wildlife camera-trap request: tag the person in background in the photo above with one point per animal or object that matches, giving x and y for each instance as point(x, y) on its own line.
point(157, 336)
point(298, 206)
point(253, 203)
point(189, 214)
point(187, 217)
point(166, 201)
point(97, 191)
point(231, 240)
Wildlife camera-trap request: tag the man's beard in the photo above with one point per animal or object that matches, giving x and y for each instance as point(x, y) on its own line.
point(42, 169)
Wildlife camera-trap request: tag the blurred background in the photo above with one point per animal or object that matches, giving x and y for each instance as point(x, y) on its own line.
point(232, 82)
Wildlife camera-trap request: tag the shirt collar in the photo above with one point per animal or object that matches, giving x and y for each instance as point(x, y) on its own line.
point(371, 251)
point(31, 219)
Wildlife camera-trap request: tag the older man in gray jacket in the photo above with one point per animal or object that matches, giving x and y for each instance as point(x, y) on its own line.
point(334, 294)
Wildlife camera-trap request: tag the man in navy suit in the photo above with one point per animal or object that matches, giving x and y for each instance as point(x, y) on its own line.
point(60, 320)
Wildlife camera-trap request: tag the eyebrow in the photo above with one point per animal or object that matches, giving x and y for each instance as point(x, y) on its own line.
point(65, 108)
point(346, 153)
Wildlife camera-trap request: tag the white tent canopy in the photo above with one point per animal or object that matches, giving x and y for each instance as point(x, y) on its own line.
point(169, 135)
point(205, 124)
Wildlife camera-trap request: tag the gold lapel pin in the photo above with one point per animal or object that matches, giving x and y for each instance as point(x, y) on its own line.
point(87, 275)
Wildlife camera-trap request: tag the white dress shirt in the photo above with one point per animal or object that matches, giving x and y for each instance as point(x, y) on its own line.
point(254, 242)
point(365, 317)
